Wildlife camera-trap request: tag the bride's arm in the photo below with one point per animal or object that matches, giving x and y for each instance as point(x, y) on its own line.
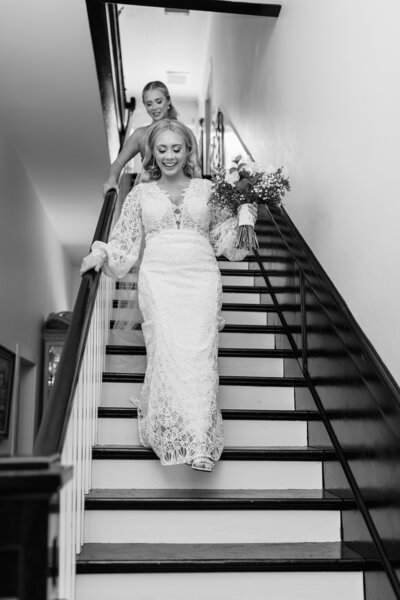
point(120, 253)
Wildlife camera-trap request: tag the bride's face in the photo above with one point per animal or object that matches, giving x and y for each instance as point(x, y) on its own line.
point(156, 104)
point(170, 153)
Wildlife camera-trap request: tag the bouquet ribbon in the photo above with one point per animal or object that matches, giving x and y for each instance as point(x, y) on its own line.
point(245, 217)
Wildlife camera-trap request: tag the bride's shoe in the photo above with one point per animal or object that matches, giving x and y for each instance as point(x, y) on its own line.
point(202, 463)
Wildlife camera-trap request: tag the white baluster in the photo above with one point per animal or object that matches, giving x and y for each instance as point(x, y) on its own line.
point(80, 437)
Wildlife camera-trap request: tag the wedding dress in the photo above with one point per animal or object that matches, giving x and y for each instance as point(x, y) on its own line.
point(180, 296)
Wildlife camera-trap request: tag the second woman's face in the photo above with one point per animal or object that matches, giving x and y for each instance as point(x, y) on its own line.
point(170, 153)
point(156, 104)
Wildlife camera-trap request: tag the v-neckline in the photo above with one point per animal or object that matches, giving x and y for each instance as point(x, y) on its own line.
point(165, 193)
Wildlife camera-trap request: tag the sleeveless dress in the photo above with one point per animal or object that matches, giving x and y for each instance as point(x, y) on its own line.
point(180, 296)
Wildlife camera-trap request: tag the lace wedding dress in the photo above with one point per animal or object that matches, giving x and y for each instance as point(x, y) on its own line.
point(180, 295)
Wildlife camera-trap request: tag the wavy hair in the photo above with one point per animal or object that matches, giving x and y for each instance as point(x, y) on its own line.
point(149, 161)
point(159, 85)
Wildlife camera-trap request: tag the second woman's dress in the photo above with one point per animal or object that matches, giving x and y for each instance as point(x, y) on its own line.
point(180, 296)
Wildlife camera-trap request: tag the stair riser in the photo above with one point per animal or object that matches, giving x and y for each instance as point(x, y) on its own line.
point(124, 431)
point(231, 297)
point(232, 317)
point(264, 341)
point(240, 366)
point(211, 526)
point(235, 474)
point(222, 586)
point(229, 396)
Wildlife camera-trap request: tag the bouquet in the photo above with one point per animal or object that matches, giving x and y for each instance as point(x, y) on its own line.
point(244, 183)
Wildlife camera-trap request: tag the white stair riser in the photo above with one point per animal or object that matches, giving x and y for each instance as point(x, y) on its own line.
point(242, 317)
point(234, 297)
point(226, 340)
point(222, 586)
point(211, 526)
point(228, 474)
point(232, 317)
point(124, 431)
point(238, 280)
point(232, 365)
point(229, 396)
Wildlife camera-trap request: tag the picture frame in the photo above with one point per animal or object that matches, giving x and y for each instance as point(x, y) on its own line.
point(7, 368)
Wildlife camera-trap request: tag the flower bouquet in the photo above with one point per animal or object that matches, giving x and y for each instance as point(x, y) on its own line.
point(243, 184)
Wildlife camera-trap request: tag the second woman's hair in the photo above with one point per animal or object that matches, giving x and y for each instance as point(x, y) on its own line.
point(149, 162)
point(159, 85)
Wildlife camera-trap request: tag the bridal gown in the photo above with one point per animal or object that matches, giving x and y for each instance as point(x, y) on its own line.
point(180, 296)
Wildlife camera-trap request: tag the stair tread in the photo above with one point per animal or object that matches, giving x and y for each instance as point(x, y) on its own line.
point(114, 349)
point(205, 498)
point(228, 414)
point(234, 306)
point(303, 453)
point(223, 380)
point(98, 557)
point(239, 328)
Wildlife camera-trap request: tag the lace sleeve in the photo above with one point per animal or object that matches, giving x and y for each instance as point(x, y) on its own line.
point(223, 231)
point(123, 247)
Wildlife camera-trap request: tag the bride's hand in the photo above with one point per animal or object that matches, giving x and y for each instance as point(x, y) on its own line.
point(91, 262)
point(251, 208)
point(110, 184)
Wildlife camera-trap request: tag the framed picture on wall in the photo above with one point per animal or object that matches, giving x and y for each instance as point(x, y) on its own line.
point(7, 366)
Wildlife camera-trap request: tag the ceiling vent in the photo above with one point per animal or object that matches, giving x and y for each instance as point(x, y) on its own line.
point(179, 77)
point(177, 11)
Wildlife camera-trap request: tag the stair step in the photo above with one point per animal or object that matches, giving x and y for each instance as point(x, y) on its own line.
point(223, 380)
point(240, 468)
point(303, 557)
point(247, 314)
point(241, 414)
point(300, 499)
point(227, 339)
point(257, 363)
point(207, 525)
point(229, 453)
point(117, 394)
point(243, 432)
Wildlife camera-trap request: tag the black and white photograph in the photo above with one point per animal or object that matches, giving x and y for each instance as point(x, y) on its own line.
point(199, 284)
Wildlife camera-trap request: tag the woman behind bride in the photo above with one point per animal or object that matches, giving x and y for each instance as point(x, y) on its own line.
point(180, 296)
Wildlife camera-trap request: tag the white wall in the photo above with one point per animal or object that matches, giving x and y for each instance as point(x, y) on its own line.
point(35, 272)
point(50, 98)
point(319, 91)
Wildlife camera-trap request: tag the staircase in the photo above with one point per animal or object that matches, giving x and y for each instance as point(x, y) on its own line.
point(261, 525)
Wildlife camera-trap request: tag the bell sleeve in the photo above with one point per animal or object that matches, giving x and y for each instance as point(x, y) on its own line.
point(223, 232)
point(122, 250)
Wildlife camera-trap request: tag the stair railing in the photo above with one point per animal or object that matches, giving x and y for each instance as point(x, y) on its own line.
point(69, 426)
point(282, 222)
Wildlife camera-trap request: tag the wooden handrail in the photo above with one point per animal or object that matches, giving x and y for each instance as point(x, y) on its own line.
point(52, 430)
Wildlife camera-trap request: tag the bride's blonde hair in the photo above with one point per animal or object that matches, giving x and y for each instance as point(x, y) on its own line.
point(149, 162)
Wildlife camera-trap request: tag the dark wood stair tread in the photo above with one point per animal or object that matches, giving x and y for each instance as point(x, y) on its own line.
point(236, 306)
point(239, 328)
point(326, 556)
point(223, 380)
point(116, 499)
point(227, 414)
point(125, 349)
point(296, 453)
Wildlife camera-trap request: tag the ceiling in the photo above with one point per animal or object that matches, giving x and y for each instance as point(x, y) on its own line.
point(167, 47)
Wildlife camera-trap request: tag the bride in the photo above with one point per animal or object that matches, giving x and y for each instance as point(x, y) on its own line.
point(180, 296)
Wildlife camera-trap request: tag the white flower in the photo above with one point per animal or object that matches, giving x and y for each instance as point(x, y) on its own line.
point(232, 178)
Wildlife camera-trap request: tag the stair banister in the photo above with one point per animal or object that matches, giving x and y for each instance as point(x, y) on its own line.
point(69, 426)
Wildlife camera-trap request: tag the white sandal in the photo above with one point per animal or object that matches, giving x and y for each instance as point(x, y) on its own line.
point(203, 463)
